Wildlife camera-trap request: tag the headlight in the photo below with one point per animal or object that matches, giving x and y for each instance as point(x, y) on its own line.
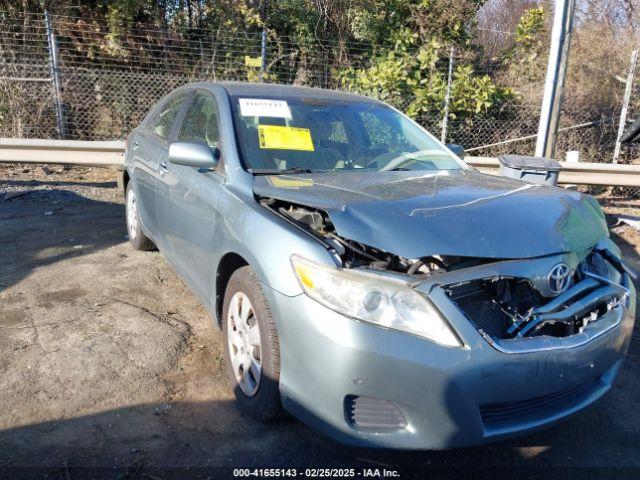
point(374, 299)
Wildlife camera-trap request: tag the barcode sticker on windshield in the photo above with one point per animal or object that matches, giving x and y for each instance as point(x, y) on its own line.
point(259, 107)
point(285, 138)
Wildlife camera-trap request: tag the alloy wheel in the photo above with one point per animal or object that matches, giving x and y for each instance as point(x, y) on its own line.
point(245, 350)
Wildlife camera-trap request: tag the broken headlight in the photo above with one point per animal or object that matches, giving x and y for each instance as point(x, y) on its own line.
point(374, 299)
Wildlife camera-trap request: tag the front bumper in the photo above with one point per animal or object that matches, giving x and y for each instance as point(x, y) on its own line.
point(449, 397)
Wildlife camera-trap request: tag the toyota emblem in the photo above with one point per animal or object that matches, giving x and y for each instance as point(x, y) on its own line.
point(558, 278)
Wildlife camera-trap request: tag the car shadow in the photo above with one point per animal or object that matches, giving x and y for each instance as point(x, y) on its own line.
point(43, 227)
point(59, 183)
point(209, 439)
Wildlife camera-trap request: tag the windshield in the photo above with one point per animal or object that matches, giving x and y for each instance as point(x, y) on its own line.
point(327, 135)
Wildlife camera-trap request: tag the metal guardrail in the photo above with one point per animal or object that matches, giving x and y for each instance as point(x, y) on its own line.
point(111, 155)
point(597, 174)
point(62, 152)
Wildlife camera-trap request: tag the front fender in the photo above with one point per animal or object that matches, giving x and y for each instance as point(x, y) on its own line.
point(267, 242)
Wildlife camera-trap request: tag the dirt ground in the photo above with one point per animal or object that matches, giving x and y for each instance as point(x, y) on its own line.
point(110, 368)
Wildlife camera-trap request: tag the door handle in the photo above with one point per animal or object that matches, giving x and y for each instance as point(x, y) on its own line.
point(163, 168)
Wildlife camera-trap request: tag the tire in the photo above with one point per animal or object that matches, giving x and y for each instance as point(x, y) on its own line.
point(258, 397)
point(137, 238)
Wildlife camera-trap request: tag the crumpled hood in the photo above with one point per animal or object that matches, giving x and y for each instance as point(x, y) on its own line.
point(460, 213)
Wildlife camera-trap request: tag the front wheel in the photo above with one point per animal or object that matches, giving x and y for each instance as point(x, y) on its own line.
point(251, 346)
point(138, 239)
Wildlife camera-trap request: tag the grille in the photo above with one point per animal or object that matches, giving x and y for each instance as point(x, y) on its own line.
point(368, 412)
point(497, 413)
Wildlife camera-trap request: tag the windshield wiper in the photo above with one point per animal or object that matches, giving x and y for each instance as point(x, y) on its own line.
point(276, 171)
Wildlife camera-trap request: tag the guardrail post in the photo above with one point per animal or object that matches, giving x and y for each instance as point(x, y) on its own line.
point(54, 67)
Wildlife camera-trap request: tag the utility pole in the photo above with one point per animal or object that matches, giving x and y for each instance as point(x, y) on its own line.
point(625, 104)
point(54, 67)
point(556, 72)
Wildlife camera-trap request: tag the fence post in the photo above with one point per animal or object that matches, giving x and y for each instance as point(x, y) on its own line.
point(202, 69)
point(263, 53)
point(54, 68)
point(447, 97)
point(625, 104)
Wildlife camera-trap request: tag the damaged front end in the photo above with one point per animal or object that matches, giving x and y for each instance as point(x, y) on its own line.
point(351, 254)
point(562, 296)
point(510, 307)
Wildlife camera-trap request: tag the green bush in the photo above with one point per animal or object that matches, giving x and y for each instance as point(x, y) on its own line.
point(406, 77)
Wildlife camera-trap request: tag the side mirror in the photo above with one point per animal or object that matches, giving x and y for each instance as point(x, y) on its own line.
point(194, 154)
point(457, 149)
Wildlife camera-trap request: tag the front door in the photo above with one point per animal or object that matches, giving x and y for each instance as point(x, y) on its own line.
point(186, 201)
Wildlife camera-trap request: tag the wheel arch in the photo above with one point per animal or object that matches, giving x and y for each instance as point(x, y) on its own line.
point(123, 180)
point(228, 264)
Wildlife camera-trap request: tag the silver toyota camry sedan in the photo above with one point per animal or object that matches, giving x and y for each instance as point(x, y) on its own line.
point(366, 279)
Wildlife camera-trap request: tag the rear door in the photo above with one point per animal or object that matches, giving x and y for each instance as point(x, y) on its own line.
point(187, 199)
point(150, 147)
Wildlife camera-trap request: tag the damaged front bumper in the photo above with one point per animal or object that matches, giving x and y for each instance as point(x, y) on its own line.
point(369, 386)
point(588, 308)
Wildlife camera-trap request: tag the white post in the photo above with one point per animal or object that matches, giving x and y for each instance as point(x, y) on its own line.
point(263, 52)
point(556, 72)
point(625, 104)
point(54, 67)
point(447, 98)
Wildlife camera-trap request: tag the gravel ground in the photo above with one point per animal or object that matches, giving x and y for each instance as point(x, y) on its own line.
point(110, 368)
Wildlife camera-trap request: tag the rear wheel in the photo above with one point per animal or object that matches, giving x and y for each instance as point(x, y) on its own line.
point(251, 346)
point(138, 239)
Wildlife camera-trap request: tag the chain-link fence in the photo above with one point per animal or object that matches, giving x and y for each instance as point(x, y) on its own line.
point(106, 83)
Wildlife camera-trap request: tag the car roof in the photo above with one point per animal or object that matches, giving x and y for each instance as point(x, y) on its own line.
point(284, 91)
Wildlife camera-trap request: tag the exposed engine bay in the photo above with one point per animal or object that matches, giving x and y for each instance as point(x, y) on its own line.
point(354, 254)
point(507, 307)
point(511, 308)
point(500, 307)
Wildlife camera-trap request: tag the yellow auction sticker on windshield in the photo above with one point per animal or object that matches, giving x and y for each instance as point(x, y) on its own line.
point(285, 138)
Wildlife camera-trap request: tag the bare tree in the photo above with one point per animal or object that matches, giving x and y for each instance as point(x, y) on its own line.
point(497, 21)
point(614, 14)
